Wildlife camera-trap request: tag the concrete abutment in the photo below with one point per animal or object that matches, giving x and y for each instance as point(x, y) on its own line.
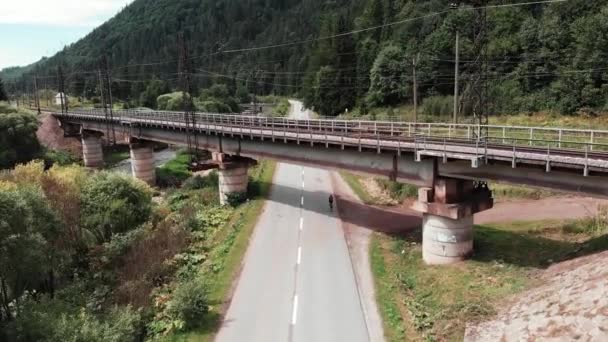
point(447, 226)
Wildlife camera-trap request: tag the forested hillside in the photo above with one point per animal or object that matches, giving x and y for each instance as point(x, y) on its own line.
point(547, 56)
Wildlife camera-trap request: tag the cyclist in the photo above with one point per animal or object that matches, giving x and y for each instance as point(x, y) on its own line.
point(331, 202)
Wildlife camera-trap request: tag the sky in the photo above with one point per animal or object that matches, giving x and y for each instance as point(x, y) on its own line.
point(31, 29)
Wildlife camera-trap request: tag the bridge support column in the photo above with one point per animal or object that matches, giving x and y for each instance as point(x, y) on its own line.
point(447, 224)
point(92, 151)
point(233, 175)
point(142, 161)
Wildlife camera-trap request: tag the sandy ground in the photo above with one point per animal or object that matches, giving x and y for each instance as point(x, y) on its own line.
point(571, 305)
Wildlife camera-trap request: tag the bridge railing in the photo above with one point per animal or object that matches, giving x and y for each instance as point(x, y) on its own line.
point(521, 136)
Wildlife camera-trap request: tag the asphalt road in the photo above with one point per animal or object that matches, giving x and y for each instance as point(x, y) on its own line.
point(297, 282)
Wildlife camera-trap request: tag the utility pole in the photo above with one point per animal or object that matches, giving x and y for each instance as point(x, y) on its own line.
point(454, 6)
point(185, 73)
point(255, 93)
point(62, 99)
point(456, 71)
point(37, 96)
point(106, 86)
point(414, 64)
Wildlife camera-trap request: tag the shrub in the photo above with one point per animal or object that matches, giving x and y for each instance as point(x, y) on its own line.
point(236, 198)
point(55, 321)
point(189, 304)
point(441, 106)
point(397, 191)
point(199, 182)
point(18, 141)
point(114, 203)
point(61, 158)
point(174, 172)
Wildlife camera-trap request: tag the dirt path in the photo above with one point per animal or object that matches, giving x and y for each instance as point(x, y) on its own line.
point(554, 208)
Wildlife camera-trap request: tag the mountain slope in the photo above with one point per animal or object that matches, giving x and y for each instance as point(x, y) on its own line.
point(541, 56)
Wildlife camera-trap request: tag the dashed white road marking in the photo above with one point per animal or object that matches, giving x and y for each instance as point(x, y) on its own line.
point(302, 201)
point(299, 255)
point(301, 223)
point(294, 314)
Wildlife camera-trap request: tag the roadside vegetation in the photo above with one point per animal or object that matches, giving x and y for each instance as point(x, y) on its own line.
point(428, 303)
point(420, 302)
point(90, 257)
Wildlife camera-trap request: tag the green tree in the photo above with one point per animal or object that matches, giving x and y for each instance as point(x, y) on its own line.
point(28, 227)
point(114, 203)
point(154, 89)
point(389, 77)
point(18, 142)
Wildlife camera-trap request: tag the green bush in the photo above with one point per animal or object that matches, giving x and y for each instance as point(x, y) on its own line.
point(438, 106)
point(171, 101)
point(5, 108)
point(114, 203)
point(61, 158)
point(236, 198)
point(18, 141)
point(199, 182)
point(189, 304)
point(55, 321)
point(213, 106)
point(397, 191)
point(175, 172)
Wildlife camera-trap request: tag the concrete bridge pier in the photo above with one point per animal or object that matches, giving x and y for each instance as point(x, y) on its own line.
point(92, 151)
point(447, 218)
point(142, 161)
point(233, 175)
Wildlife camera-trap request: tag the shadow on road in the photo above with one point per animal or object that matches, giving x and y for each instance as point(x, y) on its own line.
point(378, 219)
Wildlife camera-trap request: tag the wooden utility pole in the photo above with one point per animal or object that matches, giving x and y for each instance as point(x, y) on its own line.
point(456, 71)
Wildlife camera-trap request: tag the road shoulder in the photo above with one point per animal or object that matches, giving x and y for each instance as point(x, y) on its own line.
point(358, 240)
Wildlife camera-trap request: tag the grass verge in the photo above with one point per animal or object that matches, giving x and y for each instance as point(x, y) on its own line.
point(228, 253)
point(420, 302)
point(505, 192)
point(358, 188)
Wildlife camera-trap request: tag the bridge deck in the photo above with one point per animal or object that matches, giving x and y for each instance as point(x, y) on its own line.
point(583, 150)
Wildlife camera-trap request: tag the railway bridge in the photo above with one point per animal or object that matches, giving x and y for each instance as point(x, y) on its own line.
point(449, 163)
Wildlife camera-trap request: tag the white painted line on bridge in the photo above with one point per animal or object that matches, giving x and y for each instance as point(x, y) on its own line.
point(299, 255)
point(294, 314)
point(302, 201)
point(301, 223)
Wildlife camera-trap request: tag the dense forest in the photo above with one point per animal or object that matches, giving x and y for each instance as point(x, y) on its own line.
point(546, 56)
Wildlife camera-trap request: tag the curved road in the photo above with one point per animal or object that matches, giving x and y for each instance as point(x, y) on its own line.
point(297, 282)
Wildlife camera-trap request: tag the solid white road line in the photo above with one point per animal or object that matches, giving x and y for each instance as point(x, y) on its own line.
point(294, 314)
point(299, 255)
